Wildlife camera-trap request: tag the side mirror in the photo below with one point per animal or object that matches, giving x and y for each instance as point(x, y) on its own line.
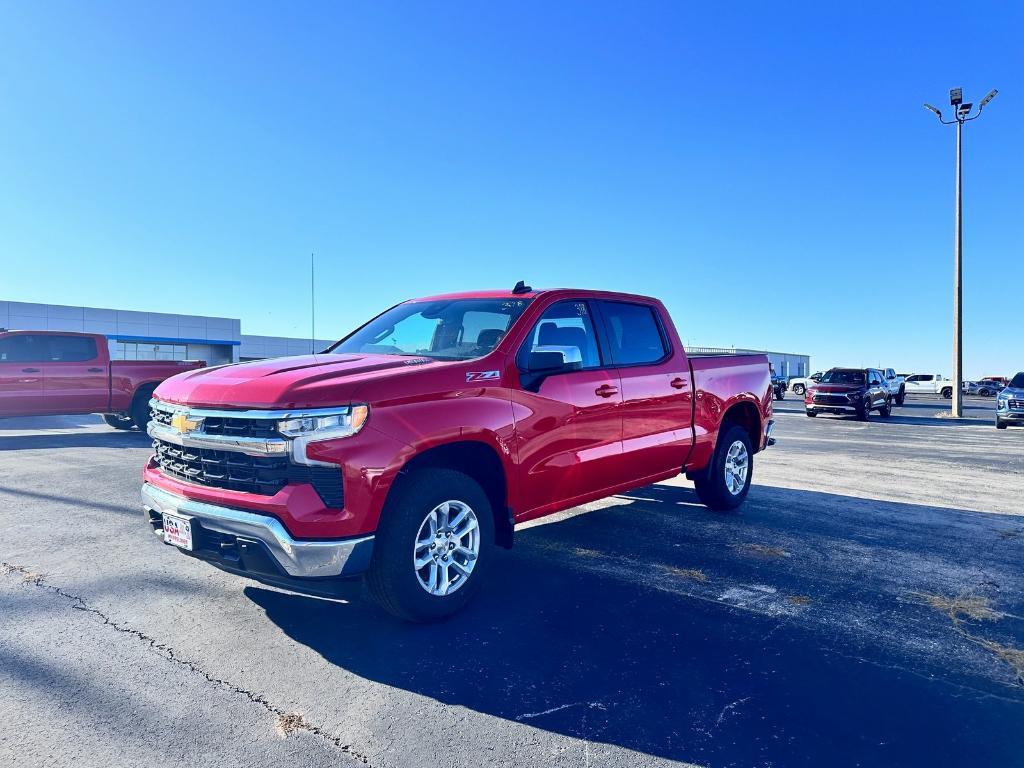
point(553, 359)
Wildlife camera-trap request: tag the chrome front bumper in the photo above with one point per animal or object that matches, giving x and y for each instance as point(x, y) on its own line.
point(295, 558)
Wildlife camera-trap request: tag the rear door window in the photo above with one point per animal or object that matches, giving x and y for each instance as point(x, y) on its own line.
point(72, 349)
point(634, 334)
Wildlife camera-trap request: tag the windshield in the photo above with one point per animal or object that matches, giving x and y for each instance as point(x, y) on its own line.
point(1018, 381)
point(452, 329)
point(843, 376)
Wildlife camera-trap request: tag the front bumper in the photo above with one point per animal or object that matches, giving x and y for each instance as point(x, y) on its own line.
point(260, 547)
point(1010, 415)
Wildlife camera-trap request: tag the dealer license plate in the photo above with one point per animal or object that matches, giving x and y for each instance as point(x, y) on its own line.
point(178, 531)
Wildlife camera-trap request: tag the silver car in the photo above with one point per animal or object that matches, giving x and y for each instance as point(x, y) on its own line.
point(983, 388)
point(1010, 403)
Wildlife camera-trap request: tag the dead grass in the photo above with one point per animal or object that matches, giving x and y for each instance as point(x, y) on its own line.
point(286, 725)
point(762, 550)
point(693, 574)
point(798, 600)
point(962, 606)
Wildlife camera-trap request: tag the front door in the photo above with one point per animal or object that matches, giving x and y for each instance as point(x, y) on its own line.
point(568, 424)
point(22, 357)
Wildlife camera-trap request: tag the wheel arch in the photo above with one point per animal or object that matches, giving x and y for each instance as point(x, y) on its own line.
point(745, 414)
point(480, 461)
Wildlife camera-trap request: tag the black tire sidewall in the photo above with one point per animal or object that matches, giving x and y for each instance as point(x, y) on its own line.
point(140, 408)
point(710, 486)
point(392, 578)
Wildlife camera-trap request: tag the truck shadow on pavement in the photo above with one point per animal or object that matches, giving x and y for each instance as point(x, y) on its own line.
point(112, 439)
point(794, 632)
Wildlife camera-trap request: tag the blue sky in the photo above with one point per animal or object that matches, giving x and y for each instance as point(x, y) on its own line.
point(766, 169)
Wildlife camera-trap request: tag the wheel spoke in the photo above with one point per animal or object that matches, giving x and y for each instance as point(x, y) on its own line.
point(469, 526)
point(419, 562)
point(456, 521)
point(468, 554)
point(446, 580)
point(460, 569)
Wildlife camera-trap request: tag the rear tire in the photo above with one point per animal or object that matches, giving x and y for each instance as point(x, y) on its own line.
point(799, 389)
point(117, 421)
point(886, 410)
point(393, 579)
point(901, 397)
point(947, 392)
point(726, 481)
point(140, 408)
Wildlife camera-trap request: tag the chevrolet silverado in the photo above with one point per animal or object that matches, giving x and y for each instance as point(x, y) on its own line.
point(411, 448)
point(47, 373)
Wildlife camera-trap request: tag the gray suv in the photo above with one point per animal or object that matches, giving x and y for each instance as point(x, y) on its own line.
point(1010, 403)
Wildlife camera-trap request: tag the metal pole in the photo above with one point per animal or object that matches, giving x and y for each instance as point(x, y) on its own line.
point(958, 295)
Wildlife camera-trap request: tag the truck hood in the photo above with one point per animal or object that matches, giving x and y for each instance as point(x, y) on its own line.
point(307, 381)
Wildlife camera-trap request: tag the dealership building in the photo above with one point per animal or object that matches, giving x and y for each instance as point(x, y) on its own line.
point(134, 335)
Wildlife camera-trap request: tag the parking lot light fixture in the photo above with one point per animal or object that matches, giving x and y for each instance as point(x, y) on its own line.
point(961, 115)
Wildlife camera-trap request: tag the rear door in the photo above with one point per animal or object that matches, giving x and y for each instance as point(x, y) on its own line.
point(657, 423)
point(920, 382)
point(22, 357)
point(568, 424)
point(76, 381)
point(877, 387)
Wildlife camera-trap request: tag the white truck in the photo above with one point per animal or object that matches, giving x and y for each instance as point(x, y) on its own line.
point(897, 385)
point(928, 384)
point(799, 384)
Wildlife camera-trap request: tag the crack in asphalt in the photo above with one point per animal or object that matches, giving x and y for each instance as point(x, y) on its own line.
point(294, 721)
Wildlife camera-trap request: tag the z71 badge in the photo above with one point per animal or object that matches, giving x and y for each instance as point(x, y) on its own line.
point(483, 375)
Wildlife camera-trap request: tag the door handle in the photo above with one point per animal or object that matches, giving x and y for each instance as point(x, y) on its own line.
point(606, 390)
point(678, 382)
point(30, 370)
point(95, 370)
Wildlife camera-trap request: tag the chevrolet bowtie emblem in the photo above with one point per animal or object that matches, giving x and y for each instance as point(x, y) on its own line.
point(183, 424)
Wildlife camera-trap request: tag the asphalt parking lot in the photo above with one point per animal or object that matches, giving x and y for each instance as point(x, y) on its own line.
point(864, 607)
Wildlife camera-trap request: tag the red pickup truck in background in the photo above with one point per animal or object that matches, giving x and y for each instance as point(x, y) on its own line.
point(413, 446)
point(45, 373)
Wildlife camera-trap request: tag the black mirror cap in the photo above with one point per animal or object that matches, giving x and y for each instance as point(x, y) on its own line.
point(547, 360)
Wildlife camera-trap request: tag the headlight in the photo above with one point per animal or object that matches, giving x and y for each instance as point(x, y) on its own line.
point(343, 423)
point(1002, 403)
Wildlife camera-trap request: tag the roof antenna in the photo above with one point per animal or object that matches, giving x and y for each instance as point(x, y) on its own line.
point(521, 287)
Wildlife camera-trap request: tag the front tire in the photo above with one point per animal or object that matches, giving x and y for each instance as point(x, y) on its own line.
point(1000, 424)
point(864, 411)
point(432, 514)
point(726, 481)
point(812, 414)
point(117, 421)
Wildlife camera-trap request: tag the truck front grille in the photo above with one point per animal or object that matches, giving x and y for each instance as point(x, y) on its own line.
point(1017, 405)
point(233, 471)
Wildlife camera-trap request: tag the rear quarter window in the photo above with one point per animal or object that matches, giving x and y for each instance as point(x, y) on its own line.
point(72, 349)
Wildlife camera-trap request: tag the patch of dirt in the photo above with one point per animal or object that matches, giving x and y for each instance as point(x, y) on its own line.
point(290, 723)
point(966, 606)
point(762, 550)
point(798, 600)
point(693, 574)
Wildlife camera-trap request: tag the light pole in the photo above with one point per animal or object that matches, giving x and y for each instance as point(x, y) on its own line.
point(961, 115)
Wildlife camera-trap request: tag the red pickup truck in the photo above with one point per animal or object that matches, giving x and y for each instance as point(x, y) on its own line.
point(409, 449)
point(58, 373)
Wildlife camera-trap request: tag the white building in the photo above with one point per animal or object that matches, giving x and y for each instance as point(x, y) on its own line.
point(156, 335)
point(786, 364)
